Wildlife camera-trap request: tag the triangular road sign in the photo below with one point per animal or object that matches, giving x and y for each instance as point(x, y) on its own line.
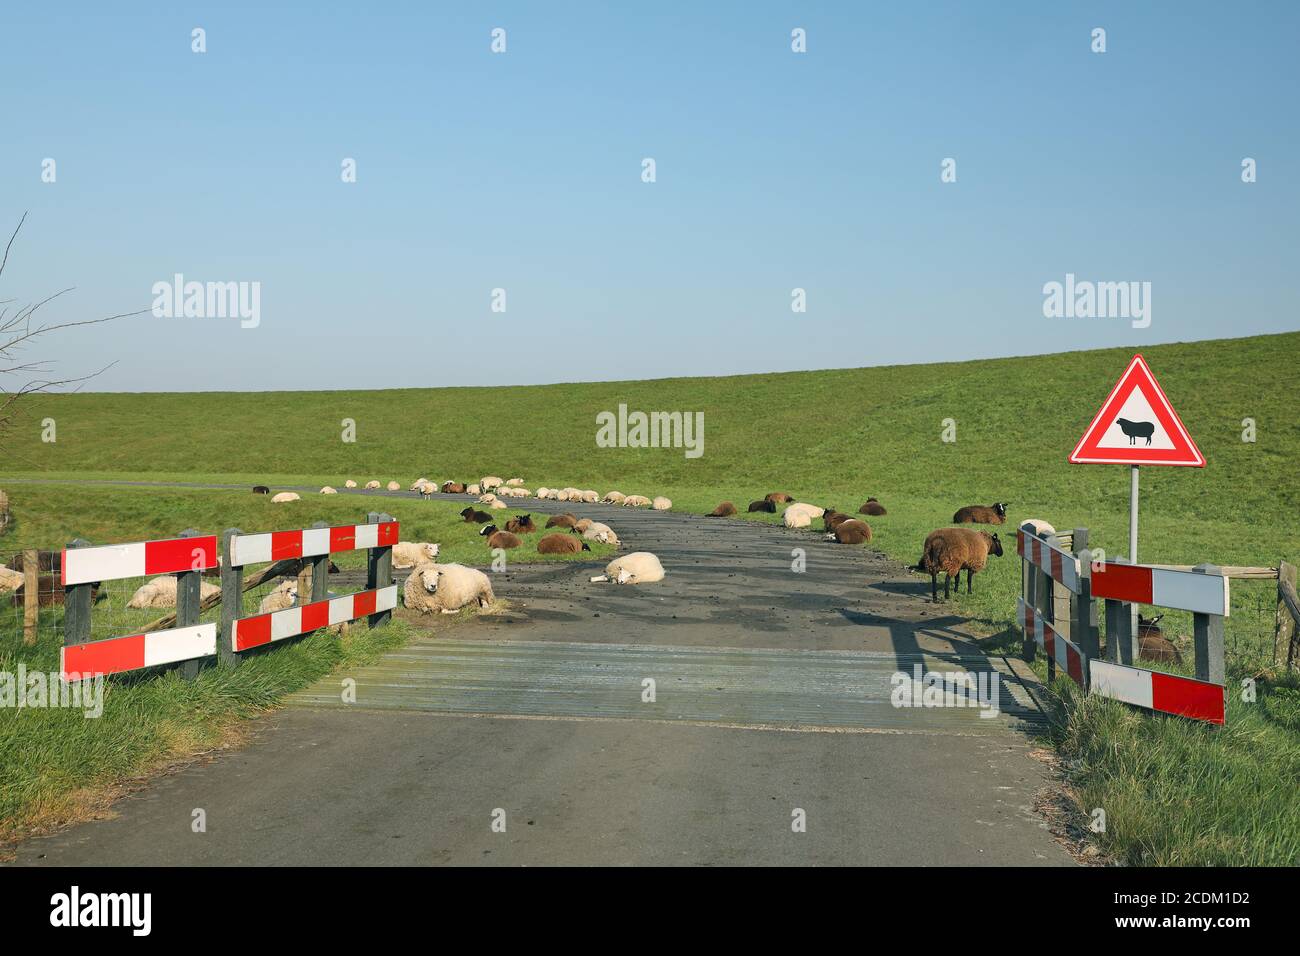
point(1137, 426)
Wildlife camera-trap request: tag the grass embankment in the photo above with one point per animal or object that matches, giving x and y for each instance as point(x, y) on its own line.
point(1175, 792)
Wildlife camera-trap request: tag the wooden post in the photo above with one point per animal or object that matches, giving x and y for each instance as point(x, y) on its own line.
point(31, 597)
point(320, 569)
point(188, 591)
point(232, 601)
point(77, 601)
point(1121, 629)
point(1284, 627)
point(379, 568)
point(1207, 630)
point(1084, 631)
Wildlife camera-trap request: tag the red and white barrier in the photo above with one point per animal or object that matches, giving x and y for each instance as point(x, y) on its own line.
point(309, 542)
point(250, 632)
point(142, 559)
point(1060, 565)
point(1166, 693)
point(1182, 590)
point(137, 651)
point(1053, 644)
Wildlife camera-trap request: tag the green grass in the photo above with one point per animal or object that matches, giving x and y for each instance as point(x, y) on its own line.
point(832, 437)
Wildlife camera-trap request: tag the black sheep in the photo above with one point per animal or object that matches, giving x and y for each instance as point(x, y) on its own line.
point(1136, 430)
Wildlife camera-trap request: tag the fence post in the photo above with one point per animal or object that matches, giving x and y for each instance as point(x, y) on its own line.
point(1029, 647)
point(320, 569)
point(1045, 591)
point(1121, 637)
point(1084, 629)
point(76, 606)
point(1208, 638)
point(31, 595)
point(1284, 629)
point(232, 601)
point(379, 568)
point(188, 591)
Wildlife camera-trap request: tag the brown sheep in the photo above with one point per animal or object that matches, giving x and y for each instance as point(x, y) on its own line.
point(47, 562)
point(500, 539)
point(831, 517)
point(582, 525)
point(850, 531)
point(763, 505)
point(951, 549)
point(565, 520)
point(779, 497)
point(475, 517)
point(982, 514)
point(521, 525)
point(49, 592)
point(561, 544)
point(872, 507)
point(1152, 643)
point(724, 510)
point(453, 488)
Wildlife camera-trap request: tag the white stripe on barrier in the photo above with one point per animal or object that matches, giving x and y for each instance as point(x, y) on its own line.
point(315, 541)
point(367, 535)
point(1129, 684)
point(105, 563)
point(250, 549)
point(180, 644)
point(1189, 591)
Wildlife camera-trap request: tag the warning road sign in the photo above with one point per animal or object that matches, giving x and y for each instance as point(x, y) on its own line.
point(1137, 426)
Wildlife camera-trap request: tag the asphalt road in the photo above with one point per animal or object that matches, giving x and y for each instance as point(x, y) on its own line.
point(771, 705)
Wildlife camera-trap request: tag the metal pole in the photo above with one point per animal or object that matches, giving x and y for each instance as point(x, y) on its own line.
point(1133, 542)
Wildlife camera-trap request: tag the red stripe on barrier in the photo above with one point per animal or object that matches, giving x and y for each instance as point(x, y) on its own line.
point(1187, 698)
point(1056, 565)
point(180, 554)
point(104, 657)
point(1122, 582)
point(315, 616)
point(63, 567)
point(252, 632)
point(1074, 665)
point(388, 533)
point(286, 544)
point(344, 538)
point(363, 603)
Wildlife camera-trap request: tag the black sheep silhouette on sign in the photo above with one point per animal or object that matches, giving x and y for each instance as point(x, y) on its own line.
point(1136, 430)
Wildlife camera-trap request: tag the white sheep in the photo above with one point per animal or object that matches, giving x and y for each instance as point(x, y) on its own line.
point(487, 499)
point(284, 496)
point(371, 485)
point(662, 504)
point(349, 483)
point(514, 482)
point(497, 504)
point(590, 497)
point(284, 596)
point(1036, 526)
point(407, 554)
point(613, 498)
point(472, 489)
point(800, 515)
point(10, 580)
point(635, 501)
point(394, 486)
point(161, 592)
point(597, 531)
point(446, 588)
point(490, 482)
point(543, 493)
point(327, 490)
point(419, 484)
point(639, 567)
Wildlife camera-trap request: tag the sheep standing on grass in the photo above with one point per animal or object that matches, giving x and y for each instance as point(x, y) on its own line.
point(639, 567)
point(472, 489)
point(490, 483)
point(407, 554)
point(950, 550)
point(446, 588)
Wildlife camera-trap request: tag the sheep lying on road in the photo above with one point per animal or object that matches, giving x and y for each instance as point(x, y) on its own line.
point(161, 592)
point(407, 554)
point(661, 503)
point(446, 588)
point(284, 496)
point(613, 498)
point(982, 514)
point(639, 567)
point(453, 488)
point(472, 489)
point(950, 550)
point(394, 486)
point(327, 490)
point(561, 544)
point(635, 501)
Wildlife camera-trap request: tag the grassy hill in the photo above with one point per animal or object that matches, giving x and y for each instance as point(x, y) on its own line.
point(1174, 792)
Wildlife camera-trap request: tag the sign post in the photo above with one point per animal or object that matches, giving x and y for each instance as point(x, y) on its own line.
point(1136, 426)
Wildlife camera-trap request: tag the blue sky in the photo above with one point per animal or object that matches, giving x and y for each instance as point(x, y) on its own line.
point(522, 171)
